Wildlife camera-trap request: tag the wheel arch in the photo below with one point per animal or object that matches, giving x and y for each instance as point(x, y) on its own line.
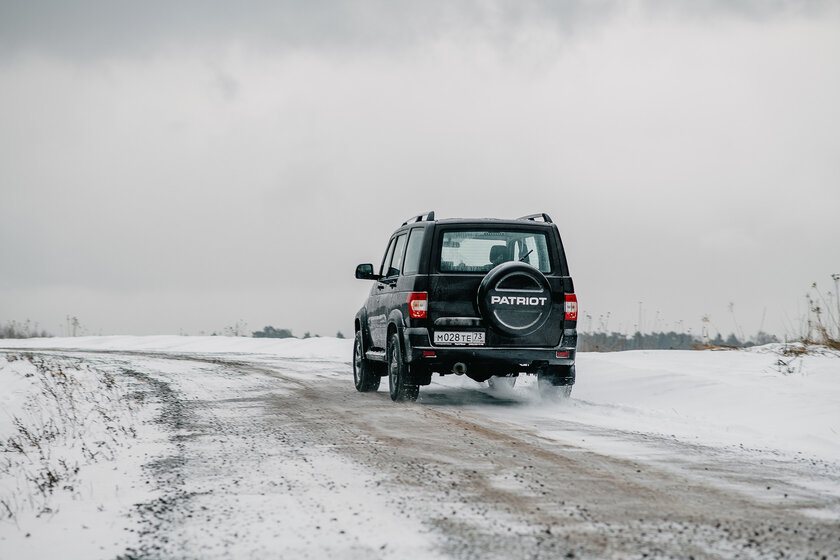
point(361, 324)
point(396, 325)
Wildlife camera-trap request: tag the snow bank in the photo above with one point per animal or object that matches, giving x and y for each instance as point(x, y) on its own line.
point(68, 457)
point(724, 397)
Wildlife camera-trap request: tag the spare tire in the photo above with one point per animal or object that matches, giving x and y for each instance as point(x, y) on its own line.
point(515, 299)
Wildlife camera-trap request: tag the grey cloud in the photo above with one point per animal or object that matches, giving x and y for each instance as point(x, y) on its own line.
point(97, 28)
point(748, 9)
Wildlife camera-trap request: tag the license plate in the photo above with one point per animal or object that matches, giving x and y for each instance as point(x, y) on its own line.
point(459, 338)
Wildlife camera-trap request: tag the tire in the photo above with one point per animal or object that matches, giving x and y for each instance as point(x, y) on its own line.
point(398, 376)
point(555, 382)
point(502, 383)
point(554, 393)
point(365, 376)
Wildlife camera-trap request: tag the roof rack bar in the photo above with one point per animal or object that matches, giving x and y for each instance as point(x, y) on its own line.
point(430, 217)
point(533, 217)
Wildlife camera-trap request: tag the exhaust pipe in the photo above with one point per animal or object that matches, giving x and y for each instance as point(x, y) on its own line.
point(460, 368)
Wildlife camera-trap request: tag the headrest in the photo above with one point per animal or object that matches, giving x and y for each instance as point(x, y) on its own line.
point(498, 253)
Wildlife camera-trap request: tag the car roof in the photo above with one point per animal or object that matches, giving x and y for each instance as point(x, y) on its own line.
point(492, 221)
point(518, 224)
point(525, 221)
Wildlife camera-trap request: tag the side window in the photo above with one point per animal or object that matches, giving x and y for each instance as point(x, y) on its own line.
point(396, 261)
point(386, 260)
point(412, 252)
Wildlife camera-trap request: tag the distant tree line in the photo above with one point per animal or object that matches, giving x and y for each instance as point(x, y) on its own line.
point(271, 332)
point(617, 342)
point(27, 329)
point(609, 342)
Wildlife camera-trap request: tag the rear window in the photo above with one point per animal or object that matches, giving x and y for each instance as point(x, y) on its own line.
point(482, 250)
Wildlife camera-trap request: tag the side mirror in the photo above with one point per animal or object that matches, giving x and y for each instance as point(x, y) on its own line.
point(365, 272)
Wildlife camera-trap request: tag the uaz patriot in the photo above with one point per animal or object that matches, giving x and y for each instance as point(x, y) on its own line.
point(489, 299)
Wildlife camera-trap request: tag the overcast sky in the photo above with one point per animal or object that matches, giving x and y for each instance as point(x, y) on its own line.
point(173, 167)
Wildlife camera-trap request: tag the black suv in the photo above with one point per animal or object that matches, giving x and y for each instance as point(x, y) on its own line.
point(485, 298)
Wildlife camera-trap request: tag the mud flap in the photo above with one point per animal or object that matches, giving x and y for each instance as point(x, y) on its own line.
point(419, 375)
point(558, 375)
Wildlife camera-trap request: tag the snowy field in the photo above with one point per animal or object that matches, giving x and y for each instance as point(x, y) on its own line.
point(745, 398)
point(91, 427)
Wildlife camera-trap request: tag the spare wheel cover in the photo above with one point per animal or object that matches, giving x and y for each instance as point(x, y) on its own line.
point(515, 299)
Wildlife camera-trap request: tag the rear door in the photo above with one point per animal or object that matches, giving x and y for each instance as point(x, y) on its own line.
point(461, 258)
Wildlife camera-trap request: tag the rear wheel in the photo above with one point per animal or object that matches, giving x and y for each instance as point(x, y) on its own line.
point(555, 382)
point(554, 393)
point(401, 386)
point(365, 376)
point(502, 383)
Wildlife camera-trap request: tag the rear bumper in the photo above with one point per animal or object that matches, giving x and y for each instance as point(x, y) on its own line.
point(419, 349)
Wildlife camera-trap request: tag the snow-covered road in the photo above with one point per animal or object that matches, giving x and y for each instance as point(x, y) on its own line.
point(255, 449)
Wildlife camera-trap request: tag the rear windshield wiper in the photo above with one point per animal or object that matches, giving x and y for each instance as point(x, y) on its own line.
point(525, 256)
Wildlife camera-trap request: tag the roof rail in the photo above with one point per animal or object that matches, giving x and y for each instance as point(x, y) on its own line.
point(430, 217)
point(533, 217)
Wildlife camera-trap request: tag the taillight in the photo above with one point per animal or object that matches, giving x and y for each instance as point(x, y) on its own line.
point(571, 307)
point(418, 305)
